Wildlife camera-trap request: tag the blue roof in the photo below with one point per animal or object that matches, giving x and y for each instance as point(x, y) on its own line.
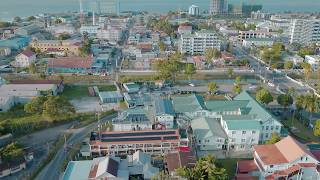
point(164, 106)
point(15, 43)
point(77, 170)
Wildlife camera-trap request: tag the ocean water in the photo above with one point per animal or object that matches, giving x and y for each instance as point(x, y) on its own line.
point(12, 8)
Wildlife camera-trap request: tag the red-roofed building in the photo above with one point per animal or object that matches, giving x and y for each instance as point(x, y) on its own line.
point(227, 56)
point(286, 159)
point(24, 59)
point(179, 159)
point(70, 65)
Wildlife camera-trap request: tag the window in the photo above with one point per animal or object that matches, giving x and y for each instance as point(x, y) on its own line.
point(277, 127)
point(267, 135)
point(267, 128)
point(243, 140)
point(262, 127)
point(244, 132)
point(233, 140)
point(242, 146)
point(233, 132)
point(253, 132)
point(271, 127)
point(271, 166)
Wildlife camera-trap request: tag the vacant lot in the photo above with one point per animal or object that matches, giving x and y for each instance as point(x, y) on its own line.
point(81, 91)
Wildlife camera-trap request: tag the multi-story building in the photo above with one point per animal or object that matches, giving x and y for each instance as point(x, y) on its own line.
point(198, 42)
point(128, 142)
point(313, 60)
point(305, 31)
point(67, 46)
point(227, 125)
point(24, 59)
point(194, 10)
point(218, 7)
point(253, 34)
point(112, 34)
point(286, 159)
point(164, 112)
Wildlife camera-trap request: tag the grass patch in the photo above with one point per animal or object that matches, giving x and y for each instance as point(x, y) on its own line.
point(229, 164)
point(79, 91)
point(301, 131)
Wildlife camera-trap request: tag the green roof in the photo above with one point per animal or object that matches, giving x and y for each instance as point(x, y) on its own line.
point(207, 127)
point(243, 124)
point(218, 106)
point(190, 103)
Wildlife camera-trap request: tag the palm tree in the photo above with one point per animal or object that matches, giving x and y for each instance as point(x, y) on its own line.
point(206, 164)
point(219, 174)
point(300, 100)
point(311, 105)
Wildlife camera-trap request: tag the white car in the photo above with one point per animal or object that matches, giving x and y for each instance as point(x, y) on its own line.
point(192, 85)
point(271, 84)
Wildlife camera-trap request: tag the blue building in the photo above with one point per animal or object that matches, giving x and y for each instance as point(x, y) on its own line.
point(15, 43)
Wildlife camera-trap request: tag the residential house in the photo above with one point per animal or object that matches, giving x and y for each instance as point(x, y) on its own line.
point(15, 43)
point(131, 87)
point(199, 62)
point(179, 159)
point(286, 159)
point(8, 168)
point(257, 42)
point(111, 167)
point(184, 29)
point(27, 30)
point(24, 59)
point(70, 65)
point(133, 100)
point(164, 112)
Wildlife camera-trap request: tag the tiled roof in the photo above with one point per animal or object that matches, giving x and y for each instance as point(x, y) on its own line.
point(246, 166)
point(27, 53)
point(70, 62)
point(180, 159)
point(284, 151)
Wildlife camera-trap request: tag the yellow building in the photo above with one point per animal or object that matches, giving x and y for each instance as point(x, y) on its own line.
point(57, 47)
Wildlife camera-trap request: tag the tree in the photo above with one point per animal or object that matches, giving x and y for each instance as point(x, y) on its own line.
point(32, 68)
point(35, 106)
point(211, 53)
point(274, 138)
point(311, 105)
point(162, 175)
point(212, 87)
point(17, 19)
point(306, 51)
point(237, 89)
point(57, 106)
point(238, 80)
point(168, 69)
point(64, 36)
point(288, 65)
point(189, 70)
point(11, 152)
point(230, 72)
point(31, 18)
point(285, 100)
point(264, 96)
point(43, 76)
point(307, 70)
point(57, 21)
point(162, 46)
point(316, 129)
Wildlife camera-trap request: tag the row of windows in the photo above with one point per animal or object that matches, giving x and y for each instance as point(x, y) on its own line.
point(271, 128)
point(244, 132)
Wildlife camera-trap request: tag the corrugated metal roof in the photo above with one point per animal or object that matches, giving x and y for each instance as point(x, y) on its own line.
point(164, 106)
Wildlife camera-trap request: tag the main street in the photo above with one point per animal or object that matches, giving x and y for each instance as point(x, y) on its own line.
point(279, 79)
point(52, 170)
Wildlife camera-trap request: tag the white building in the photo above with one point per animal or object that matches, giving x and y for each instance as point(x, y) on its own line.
point(305, 31)
point(286, 159)
point(194, 10)
point(61, 29)
point(257, 42)
point(5, 51)
point(253, 34)
point(184, 29)
point(198, 42)
point(164, 112)
point(25, 59)
point(218, 7)
point(90, 29)
point(112, 34)
point(313, 60)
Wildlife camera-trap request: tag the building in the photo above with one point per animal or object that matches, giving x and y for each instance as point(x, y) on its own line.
point(15, 43)
point(313, 60)
point(5, 51)
point(110, 97)
point(131, 87)
point(27, 30)
point(90, 29)
point(65, 46)
point(70, 65)
point(180, 159)
point(133, 100)
point(198, 42)
point(17, 165)
point(24, 59)
point(286, 159)
point(305, 31)
point(58, 83)
point(132, 120)
point(111, 167)
point(257, 42)
point(61, 29)
point(6, 103)
point(194, 10)
point(184, 29)
point(218, 7)
point(128, 142)
point(260, 15)
point(112, 34)
point(164, 112)
point(253, 35)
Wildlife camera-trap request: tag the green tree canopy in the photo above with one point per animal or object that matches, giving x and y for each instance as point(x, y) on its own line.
point(162, 46)
point(264, 96)
point(11, 152)
point(274, 138)
point(64, 36)
point(189, 70)
point(212, 87)
point(57, 106)
point(316, 129)
point(31, 18)
point(17, 19)
point(285, 100)
point(32, 68)
point(230, 72)
point(35, 106)
point(237, 89)
point(288, 65)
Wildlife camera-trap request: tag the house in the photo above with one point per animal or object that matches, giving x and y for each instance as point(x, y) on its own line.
point(15, 43)
point(5, 51)
point(70, 65)
point(190, 106)
point(110, 97)
point(6, 169)
point(126, 142)
point(286, 159)
point(199, 62)
point(27, 30)
point(313, 60)
point(179, 159)
point(132, 119)
point(25, 59)
point(131, 87)
point(226, 56)
point(111, 167)
point(133, 100)
point(164, 112)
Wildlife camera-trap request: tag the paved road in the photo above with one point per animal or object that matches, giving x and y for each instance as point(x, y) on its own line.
point(52, 170)
point(279, 79)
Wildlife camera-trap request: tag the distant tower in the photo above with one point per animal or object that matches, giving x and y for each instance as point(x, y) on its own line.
point(93, 18)
point(219, 7)
point(81, 12)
